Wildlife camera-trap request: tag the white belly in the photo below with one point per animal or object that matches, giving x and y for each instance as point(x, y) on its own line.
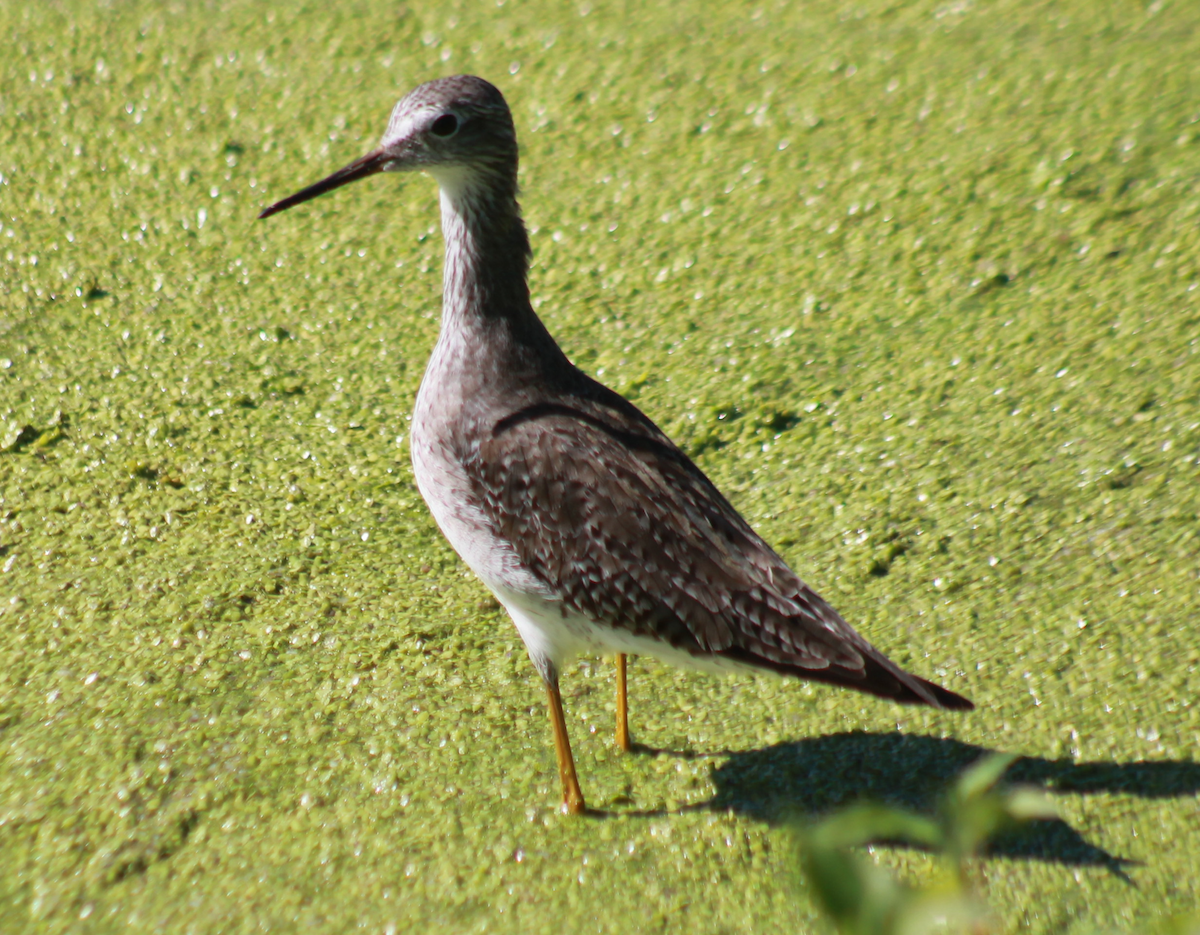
point(555, 632)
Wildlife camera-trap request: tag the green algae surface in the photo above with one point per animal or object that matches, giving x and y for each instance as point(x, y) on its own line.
point(917, 284)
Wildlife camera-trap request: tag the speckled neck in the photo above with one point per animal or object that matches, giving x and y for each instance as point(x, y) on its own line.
point(485, 288)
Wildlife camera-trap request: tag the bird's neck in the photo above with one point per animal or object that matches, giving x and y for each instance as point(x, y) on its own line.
point(487, 257)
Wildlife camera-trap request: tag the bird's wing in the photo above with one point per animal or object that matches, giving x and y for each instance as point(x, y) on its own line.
point(615, 519)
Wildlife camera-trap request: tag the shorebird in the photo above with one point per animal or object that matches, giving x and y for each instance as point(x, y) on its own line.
point(590, 526)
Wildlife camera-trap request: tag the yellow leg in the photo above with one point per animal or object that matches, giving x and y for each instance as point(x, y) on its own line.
point(572, 795)
point(622, 707)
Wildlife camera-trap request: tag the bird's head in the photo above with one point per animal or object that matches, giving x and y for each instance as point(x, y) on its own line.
point(458, 129)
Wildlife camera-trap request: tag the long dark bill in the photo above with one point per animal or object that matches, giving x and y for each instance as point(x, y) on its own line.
point(358, 169)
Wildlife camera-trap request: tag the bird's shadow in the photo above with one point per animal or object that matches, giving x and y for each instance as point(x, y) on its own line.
point(803, 779)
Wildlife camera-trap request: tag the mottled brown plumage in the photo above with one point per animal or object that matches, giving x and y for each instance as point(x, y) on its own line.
point(620, 524)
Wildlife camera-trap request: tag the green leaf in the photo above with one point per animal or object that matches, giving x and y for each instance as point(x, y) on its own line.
point(983, 775)
point(869, 821)
point(1025, 803)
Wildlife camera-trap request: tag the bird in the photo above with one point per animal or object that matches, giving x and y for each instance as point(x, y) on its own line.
point(593, 529)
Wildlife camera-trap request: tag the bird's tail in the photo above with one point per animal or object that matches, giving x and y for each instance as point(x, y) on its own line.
point(942, 697)
point(885, 678)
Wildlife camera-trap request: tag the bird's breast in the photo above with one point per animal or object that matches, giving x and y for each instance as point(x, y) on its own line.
point(438, 429)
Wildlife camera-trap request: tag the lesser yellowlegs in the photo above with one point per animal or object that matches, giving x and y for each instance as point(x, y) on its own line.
point(589, 525)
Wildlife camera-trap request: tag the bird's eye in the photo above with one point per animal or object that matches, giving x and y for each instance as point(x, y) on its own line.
point(445, 125)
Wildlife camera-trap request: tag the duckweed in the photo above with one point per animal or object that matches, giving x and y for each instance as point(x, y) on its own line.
point(916, 284)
